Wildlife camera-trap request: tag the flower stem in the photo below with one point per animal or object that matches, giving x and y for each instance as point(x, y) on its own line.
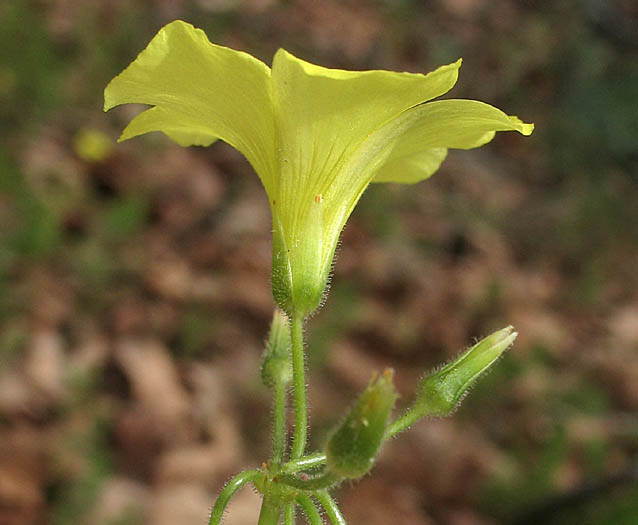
point(402, 423)
point(289, 514)
point(304, 463)
point(299, 382)
point(308, 506)
point(330, 505)
point(322, 481)
point(279, 424)
point(270, 511)
point(228, 491)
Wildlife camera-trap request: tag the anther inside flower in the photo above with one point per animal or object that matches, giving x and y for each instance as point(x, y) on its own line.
point(316, 137)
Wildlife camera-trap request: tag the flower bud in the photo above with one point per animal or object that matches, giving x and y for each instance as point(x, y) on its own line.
point(354, 445)
point(441, 392)
point(277, 367)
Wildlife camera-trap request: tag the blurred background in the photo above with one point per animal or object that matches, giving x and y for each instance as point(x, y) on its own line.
point(134, 278)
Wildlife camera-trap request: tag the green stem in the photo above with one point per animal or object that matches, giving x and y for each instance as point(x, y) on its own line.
point(289, 514)
point(299, 382)
point(305, 463)
point(330, 505)
point(228, 491)
point(309, 509)
point(270, 511)
point(319, 458)
point(279, 424)
point(322, 481)
point(402, 423)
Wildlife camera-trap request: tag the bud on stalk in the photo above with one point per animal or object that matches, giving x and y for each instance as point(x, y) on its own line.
point(354, 445)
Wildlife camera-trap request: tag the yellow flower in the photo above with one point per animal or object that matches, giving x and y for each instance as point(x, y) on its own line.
point(315, 136)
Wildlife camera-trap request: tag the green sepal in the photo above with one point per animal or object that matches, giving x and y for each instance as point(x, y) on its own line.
point(442, 391)
point(354, 445)
point(277, 367)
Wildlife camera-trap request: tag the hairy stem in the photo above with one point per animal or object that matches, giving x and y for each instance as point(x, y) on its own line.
point(318, 459)
point(309, 509)
point(322, 481)
point(402, 423)
point(270, 511)
point(289, 514)
point(279, 424)
point(305, 463)
point(330, 506)
point(299, 382)
point(228, 491)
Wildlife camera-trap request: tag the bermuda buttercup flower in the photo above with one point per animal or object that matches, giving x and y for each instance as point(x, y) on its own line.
point(316, 137)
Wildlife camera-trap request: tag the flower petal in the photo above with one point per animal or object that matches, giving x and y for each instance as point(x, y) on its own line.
point(413, 167)
point(200, 92)
point(325, 114)
point(184, 130)
point(460, 124)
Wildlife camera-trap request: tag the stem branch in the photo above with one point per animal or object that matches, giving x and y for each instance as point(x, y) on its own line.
point(299, 382)
point(228, 491)
point(289, 514)
point(270, 511)
point(279, 424)
point(309, 509)
point(322, 481)
point(402, 423)
point(330, 505)
point(305, 463)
